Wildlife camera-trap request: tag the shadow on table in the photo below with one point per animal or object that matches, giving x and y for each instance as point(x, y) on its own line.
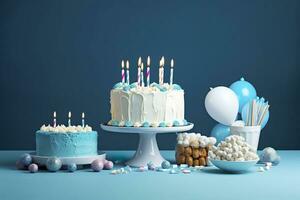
point(218, 171)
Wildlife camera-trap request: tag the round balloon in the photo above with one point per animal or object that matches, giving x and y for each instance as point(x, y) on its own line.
point(222, 105)
point(244, 91)
point(245, 111)
point(220, 132)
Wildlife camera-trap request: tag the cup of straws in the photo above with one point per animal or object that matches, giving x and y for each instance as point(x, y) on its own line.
point(256, 111)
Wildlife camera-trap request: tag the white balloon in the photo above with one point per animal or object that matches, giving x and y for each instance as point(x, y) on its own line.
point(222, 105)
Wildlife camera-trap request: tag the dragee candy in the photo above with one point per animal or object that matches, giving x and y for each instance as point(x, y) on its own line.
point(97, 165)
point(72, 167)
point(165, 164)
point(33, 168)
point(26, 159)
point(53, 164)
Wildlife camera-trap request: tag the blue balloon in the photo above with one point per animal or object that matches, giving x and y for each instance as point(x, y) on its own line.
point(244, 115)
point(220, 132)
point(244, 91)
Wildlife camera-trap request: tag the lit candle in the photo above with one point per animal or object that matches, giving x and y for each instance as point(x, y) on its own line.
point(171, 72)
point(82, 119)
point(139, 71)
point(148, 71)
point(142, 74)
point(127, 71)
point(54, 120)
point(123, 72)
point(161, 69)
point(69, 120)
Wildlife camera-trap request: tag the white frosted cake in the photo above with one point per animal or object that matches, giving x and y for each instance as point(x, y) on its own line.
point(155, 106)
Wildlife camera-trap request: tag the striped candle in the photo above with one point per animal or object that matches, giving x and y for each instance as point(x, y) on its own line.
point(82, 119)
point(69, 120)
point(162, 63)
point(127, 72)
point(148, 72)
point(123, 72)
point(142, 75)
point(171, 72)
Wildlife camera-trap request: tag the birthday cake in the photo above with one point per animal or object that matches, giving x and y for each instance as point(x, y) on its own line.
point(66, 141)
point(147, 105)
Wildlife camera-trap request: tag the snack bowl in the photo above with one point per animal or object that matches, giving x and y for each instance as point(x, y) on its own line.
point(234, 166)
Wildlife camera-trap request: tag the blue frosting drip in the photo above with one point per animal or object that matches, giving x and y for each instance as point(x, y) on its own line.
point(176, 123)
point(128, 124)
point(176, 87)
point(115, 123)
point(162, 88)
point(153, 84)
point(126, 88)
point(185, 122)
point(162, 124)
point(133, 85)
point(146, 124)
point(118, 85)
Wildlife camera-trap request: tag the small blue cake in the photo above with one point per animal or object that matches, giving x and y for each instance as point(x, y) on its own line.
point(66, 142)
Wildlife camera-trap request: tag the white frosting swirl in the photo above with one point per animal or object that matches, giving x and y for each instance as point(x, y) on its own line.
point(66, 129)
point(195, 140)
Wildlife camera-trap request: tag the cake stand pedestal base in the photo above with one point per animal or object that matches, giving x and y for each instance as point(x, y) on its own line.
point(148, 150)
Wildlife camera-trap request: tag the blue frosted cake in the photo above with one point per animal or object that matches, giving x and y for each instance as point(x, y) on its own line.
point(66, 141)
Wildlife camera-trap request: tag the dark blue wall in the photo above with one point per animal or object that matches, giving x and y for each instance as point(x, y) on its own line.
point(65, 55)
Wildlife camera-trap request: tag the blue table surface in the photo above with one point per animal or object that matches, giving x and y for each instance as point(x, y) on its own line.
point(282, 181)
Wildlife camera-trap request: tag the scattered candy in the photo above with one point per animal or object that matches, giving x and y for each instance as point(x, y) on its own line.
point(142, 168)
point(33, 168)
point(186, 171)
point(261, 169)
point(166, 164)
point(119, 171)
point(108, 165)
point(151, 166)
point(72, 167)
point(267, 167)
point(174, 166)
point(97, 165)
point(53, 164)
point(183, 166)
point(26, 159)
point(173, 171)
point(128, 168)
point(162, 169)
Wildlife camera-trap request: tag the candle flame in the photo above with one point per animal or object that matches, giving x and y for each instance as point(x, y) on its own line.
point(69, 114)
point(127, 64)
point(148, 61)
point(162, 61)
point(122, 64)
point(82, 115)
point(142, 66)
point(172, 63)
point(139, 61)
point(54, 114)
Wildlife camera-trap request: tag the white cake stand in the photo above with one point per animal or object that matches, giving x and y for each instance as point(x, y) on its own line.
point(79, 160)
point(147, 150)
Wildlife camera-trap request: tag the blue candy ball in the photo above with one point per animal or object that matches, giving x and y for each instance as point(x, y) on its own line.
point(146, 124)
point(33, 168)
point(53, 164)
point(97, 165)
point(185, 122)
point(72, 167)
point(162, 124)
point(176, 123)
point(128, 124)
point(245, 92)
point(26, 159)
point(165, 164)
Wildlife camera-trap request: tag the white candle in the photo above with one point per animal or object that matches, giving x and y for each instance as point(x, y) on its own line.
point(127, 71)
point(171, 72)
point(123, 72)
point(54, 120)
point(82, 119)
point(139, 71)
point(148, 71)
point(69, 120)
point(142, 75)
